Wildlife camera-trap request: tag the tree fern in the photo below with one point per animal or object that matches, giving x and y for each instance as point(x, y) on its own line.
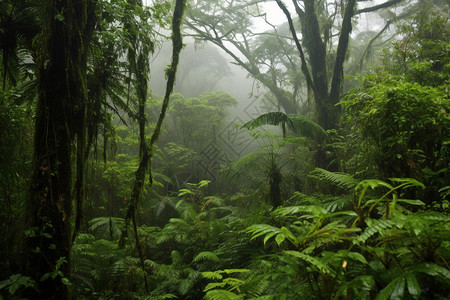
point(299, 124)
point(106, 228)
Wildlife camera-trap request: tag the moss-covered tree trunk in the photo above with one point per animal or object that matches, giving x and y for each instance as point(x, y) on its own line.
point(60, 117)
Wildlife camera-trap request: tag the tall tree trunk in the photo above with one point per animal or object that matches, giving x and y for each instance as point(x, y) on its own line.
point(338, 71)
point(62, 95)
point(146, 153)
point(316, 50)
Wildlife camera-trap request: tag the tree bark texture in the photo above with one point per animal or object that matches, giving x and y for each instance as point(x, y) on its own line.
point(60, 117)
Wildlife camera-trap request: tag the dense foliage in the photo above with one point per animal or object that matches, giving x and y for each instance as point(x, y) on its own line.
point(358, 210)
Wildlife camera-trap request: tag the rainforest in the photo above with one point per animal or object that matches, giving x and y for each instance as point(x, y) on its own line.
point(224, 149)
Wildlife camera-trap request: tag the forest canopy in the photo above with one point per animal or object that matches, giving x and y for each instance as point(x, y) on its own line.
point(224, 149)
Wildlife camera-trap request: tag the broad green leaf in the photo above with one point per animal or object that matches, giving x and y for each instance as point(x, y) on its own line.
point(357, 256)
point(280, 238)
point(399, 290)
point(432, 270)
point(372, 183)
point(393, 287)
point(409, 182)
point(269, 235)
point(289, 235)
point(412, 284)
point(411, 202)
point(343, 213)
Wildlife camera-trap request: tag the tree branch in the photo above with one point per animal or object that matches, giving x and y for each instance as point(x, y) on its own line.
point(379, 6)
point(304, 67)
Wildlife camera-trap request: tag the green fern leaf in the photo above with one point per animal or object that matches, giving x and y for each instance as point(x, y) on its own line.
point(313, 261)
point(376, 227)
point(299, 124)
point(214, 285)
point(185, 286)
point(222, 295)
point(205, 255)
point(262, 229)
point(166, 296)
point(212, 275)
point(232, 271)
point(256, 286)
point(290, 210)
point(341, 180)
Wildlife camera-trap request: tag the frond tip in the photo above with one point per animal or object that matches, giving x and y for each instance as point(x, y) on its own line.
point(206, 255)
point(297, 123)
point(341, 180)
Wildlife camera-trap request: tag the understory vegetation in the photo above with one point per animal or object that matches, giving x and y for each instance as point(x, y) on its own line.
point(285, 205)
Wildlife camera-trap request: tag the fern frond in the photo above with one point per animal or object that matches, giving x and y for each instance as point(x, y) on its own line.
point(212, 275)
point(297, 123)
point(340, 180)
point(313, 261)
point(256, 286)
point(315, 210)
point(188, 283)
point(222, 295)
point(205, 255)
point(378, 226)
point(163, 297)
point(338, 203)
point(305, 127)
point(269, 231)
point(106, 227)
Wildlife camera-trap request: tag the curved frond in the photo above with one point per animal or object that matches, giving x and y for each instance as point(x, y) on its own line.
point(222, 295)
point(341, 180)
point(313, 261)
point(376, 227)
point(205, 255)
point(297, 123)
